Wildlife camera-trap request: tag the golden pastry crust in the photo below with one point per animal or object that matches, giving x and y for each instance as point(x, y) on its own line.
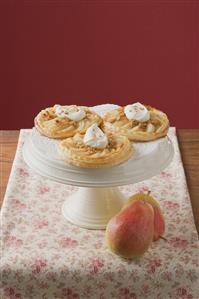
point(156, 127)
point(74, 151)
point(53, 126)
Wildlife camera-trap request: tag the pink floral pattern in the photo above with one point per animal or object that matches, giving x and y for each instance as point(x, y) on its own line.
point(153, 264)
point(125, 293)
point(68, 242)
point(40, 223)
point(38, 265)
point(10, 293)
point(43, 190)
point(23, 172)
point(17, 204)
point(182, 293)
point(177, 242)
point(44, 256)
point(12, 241)
point(95, 265)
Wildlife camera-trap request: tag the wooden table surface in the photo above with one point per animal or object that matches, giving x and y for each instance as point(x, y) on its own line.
point(188, 143)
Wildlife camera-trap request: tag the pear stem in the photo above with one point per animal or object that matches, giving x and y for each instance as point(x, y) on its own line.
point(148, 192)
point(161, 237)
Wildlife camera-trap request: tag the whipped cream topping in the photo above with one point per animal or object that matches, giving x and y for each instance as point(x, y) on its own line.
point(95, 137)
point(72, 112)
point(137, 112)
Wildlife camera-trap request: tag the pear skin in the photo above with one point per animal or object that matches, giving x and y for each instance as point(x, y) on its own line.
point(159, 222)
point(130, 233)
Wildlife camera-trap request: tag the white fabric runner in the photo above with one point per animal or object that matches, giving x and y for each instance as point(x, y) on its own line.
point(44, 256)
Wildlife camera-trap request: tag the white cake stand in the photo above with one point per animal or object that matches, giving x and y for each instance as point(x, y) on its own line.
point(98, 198)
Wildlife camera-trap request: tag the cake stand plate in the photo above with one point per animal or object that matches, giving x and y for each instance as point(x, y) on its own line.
point(98, 198)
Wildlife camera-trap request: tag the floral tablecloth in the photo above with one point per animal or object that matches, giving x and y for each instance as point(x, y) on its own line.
point(44, 256)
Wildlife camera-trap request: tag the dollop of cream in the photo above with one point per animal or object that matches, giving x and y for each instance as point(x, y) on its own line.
point(137, 111)
point(72, 112)
point(95, 137)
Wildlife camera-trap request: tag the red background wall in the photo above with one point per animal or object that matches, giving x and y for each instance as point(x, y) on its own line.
point(91, 52)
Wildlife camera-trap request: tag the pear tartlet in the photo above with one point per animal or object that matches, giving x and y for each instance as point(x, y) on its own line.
point(65, 121)
point(95, 149)
point(137, 122)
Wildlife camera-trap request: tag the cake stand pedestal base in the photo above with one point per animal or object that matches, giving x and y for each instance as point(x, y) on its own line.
point(93, 207)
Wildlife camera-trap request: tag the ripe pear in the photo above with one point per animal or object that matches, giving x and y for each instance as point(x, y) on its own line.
point(159, 223)
point(130, 233)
